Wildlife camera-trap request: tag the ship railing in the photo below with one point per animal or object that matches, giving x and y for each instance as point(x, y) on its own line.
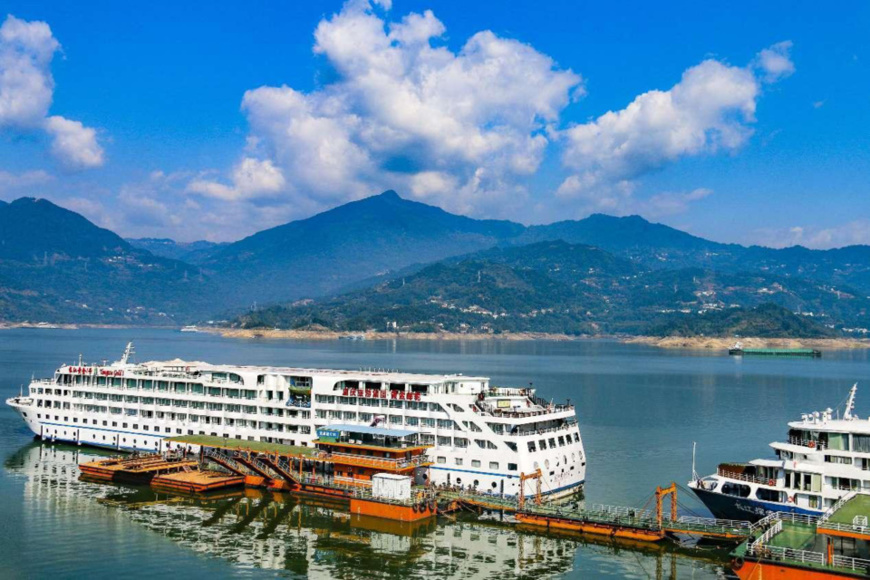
point(855, 529)
point(768, 534)
point(783, 553)
point(810, 443)
point(377, 461)
point(566, 426)
point(797, 518)
point(849, 563)
point(773, 517)
point(510, 392)
point(840, 503)
point(743, 477)
point(714, 522)
point(524, 413)
point(764, 522)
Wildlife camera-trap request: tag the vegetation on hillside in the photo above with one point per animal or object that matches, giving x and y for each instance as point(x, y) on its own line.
point(764, 321)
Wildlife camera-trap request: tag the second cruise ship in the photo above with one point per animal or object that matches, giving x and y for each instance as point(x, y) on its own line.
point(824, 459)
point(484, 436)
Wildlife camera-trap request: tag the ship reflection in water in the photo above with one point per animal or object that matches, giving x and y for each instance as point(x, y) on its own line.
point(264, 531)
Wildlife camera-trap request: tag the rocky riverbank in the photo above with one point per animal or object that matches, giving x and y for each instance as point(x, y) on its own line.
point(333, 335)
point(713, 343)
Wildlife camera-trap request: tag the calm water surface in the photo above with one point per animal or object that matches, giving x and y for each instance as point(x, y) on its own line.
point(640, 409)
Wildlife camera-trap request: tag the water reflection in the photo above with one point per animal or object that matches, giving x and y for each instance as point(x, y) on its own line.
point(257, 531)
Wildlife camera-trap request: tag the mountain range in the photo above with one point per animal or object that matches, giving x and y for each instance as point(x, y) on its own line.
point(57, 266)
point(358, 260)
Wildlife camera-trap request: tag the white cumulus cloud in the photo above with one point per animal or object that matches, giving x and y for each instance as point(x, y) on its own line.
point(250, 179)
point(406, 112)
point(711, 109)
point(74, 144)
point(27, 89)
point(775, 61)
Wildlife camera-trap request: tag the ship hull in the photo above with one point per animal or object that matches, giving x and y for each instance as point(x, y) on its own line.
point(728, 507)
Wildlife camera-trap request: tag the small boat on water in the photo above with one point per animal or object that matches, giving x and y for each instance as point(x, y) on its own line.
point(823, 459)
point(738, 350)
point(189, 328)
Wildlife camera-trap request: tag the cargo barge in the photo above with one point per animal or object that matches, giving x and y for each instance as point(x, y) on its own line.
point(738, 350)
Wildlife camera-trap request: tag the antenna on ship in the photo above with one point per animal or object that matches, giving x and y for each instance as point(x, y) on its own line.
point(128, 352)
point(850, 402)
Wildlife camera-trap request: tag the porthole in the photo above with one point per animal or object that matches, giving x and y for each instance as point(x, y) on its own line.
point(494, 485)
point(458, 481)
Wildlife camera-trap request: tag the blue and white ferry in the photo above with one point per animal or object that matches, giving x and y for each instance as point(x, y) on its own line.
point(824, 459)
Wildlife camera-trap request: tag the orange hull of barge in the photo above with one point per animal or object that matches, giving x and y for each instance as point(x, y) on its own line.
point(589, 528)
point(750, 570)
point(401, 513)
point(196, 481)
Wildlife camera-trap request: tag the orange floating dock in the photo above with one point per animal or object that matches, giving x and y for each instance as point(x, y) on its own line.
point(197, 481)
point(139, 469)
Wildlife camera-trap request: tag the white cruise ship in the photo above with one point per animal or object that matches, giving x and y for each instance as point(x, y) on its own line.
point(484, 436)
point(823, 460)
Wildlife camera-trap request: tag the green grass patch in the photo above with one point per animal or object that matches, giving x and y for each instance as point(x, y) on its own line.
point(239, 444)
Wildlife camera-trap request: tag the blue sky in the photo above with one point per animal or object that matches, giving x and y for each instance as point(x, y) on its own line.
point(744, 122)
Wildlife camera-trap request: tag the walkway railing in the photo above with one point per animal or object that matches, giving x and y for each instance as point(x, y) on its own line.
point(840, 503)
point(377, 462)
point(768, 535)
point(856, 564)
point(714, 522)
point(781, 553)
point(829, 525)
point(806, 443)
point(742, 477)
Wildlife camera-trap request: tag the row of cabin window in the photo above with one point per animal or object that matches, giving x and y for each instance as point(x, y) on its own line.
point(164, 386)
point(562, 440)
point(392, 419)
point(180, 403)
point(475, 463)
point(391, 403)
point(193, 419)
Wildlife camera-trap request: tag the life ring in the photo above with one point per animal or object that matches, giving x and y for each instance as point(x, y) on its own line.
point(771, 482)
point(811, 444)
point(416, 508)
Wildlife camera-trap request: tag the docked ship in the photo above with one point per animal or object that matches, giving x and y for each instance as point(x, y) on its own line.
point(483, 437)
point(823, 459)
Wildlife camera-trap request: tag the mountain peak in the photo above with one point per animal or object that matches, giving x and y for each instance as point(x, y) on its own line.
point(31, 228)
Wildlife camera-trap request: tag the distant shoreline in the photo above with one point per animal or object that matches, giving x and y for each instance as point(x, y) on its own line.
point(688, 343)
point(371, 335)
point(671, 342)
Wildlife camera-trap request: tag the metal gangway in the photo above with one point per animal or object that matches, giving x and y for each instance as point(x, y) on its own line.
point(643, 523)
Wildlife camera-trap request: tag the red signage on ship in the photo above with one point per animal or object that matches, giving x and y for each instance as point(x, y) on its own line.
point(92, 370)
point(378, 394)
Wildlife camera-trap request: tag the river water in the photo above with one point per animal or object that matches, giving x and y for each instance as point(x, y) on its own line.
point(640, 410)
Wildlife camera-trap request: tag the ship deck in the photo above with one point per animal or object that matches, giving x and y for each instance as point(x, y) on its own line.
point(241, 445)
